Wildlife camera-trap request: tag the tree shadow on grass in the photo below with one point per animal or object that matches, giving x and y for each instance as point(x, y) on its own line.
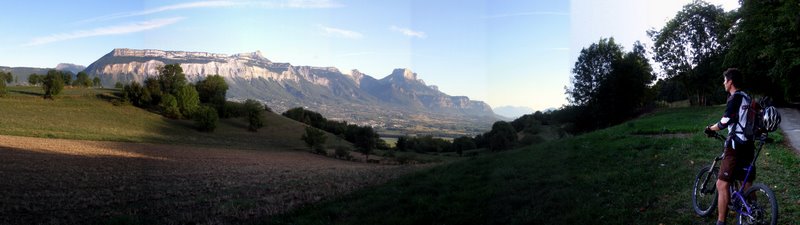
point(27, 93)
point(108, 97)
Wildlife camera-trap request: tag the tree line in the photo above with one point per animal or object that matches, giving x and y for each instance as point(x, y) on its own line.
point(364, 138)
point(52, 83)
point(611, 85)
point(170, 94)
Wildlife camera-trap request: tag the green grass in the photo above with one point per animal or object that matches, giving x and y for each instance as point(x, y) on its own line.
point(611, 176)
point(81, 114)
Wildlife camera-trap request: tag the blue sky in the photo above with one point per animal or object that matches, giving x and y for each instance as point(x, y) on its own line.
point(503, 52)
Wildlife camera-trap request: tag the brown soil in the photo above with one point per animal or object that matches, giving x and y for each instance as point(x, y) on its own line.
point(84, 182)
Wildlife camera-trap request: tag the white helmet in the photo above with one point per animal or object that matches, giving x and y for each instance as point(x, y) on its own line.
point(771, 119)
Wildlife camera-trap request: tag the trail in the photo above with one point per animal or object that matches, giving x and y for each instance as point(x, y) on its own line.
point(790, 124)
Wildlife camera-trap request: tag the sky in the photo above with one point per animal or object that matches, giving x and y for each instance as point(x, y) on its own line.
point(503, 52)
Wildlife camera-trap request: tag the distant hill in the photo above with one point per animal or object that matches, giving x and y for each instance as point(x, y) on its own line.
point(399, 101)
point(22, 73)
point(70, 67)
point(513, 112)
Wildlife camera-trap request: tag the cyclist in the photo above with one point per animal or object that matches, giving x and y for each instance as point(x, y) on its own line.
point(738, 148)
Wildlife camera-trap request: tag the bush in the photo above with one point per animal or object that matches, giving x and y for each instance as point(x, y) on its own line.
point(206, 118)
point(5, 77)
point(254, 110)
point(169, 106)
point(212, 90)
point(314, 138)
point(188, 99)
point(52, 84)
point(232, 110)
point(343, 152)
point(117, 85)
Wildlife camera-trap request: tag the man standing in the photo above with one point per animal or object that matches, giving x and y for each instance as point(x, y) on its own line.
point(738, 148)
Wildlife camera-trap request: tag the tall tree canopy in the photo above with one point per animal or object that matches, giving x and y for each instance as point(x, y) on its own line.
point(212, 90)
point(609, 85)
point(692, 45)
point(171, 78)
point(592, 67)
point(766, 47)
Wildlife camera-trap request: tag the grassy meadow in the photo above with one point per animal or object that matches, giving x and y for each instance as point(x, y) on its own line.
point(87, 114)
point(639, 172)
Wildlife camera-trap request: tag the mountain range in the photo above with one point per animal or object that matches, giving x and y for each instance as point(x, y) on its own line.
point(399, 103)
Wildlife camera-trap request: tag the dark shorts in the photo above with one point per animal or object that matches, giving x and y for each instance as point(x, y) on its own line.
point(735, 163)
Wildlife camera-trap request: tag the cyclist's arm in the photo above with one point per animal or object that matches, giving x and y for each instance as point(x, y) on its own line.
point(731, 113)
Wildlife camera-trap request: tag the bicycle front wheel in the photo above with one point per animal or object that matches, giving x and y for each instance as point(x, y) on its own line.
point(704, 191)
point(763, 206)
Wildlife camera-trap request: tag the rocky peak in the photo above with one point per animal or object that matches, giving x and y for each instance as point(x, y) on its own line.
point(405, 73)
point(252, 55)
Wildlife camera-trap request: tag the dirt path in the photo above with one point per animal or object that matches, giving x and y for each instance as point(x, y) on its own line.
point(790, 124)
point(80, 182)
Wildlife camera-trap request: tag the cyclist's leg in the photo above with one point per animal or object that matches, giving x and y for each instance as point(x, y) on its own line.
point(722, 200)
point(725, 176)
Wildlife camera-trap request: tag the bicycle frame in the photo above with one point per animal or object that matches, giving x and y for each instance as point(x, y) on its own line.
point(737, 194)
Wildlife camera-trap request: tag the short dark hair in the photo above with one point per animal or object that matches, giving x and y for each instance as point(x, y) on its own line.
point(734, 76)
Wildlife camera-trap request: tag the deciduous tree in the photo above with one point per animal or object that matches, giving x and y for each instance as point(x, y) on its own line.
point(212, 90)
point(692, 45)
point(52, 84)
point(314, 138)
point(254, 111)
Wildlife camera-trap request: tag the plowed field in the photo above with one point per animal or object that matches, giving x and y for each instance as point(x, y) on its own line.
point(84, 182)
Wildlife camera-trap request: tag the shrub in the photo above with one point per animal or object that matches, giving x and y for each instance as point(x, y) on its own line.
point(206, 118)
point(188, 100)
point(232, 110)
point(212, 90)
point(314, 138)
point(52, 84)
point(82, 80)
point(169, 106)
point(5, 77)
point(254, 110)
point(96, 82)
point(343, 152)
point(117, 85)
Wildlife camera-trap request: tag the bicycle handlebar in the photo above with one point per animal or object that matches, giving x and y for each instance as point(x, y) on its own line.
point(762, 138)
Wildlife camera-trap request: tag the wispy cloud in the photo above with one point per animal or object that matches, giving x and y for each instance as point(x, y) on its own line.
point(104, 31)
point(409, 32)
point(303, 4)
point(337, 32)
point(188, 5)
point(538, 13)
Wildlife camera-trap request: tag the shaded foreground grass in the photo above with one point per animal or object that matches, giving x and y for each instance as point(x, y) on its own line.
point(612, 176)
point(86, 114)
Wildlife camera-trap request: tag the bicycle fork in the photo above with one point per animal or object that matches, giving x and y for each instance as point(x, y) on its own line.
point(708, 174)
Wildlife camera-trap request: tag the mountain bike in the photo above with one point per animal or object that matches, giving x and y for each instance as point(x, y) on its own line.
point(756, 205)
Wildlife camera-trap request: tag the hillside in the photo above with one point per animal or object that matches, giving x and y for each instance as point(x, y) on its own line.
point(85, 114)
point(639, 172)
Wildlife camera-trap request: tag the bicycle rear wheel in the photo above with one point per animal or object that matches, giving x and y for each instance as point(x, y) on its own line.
point(763, 204)
point(704, 200)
